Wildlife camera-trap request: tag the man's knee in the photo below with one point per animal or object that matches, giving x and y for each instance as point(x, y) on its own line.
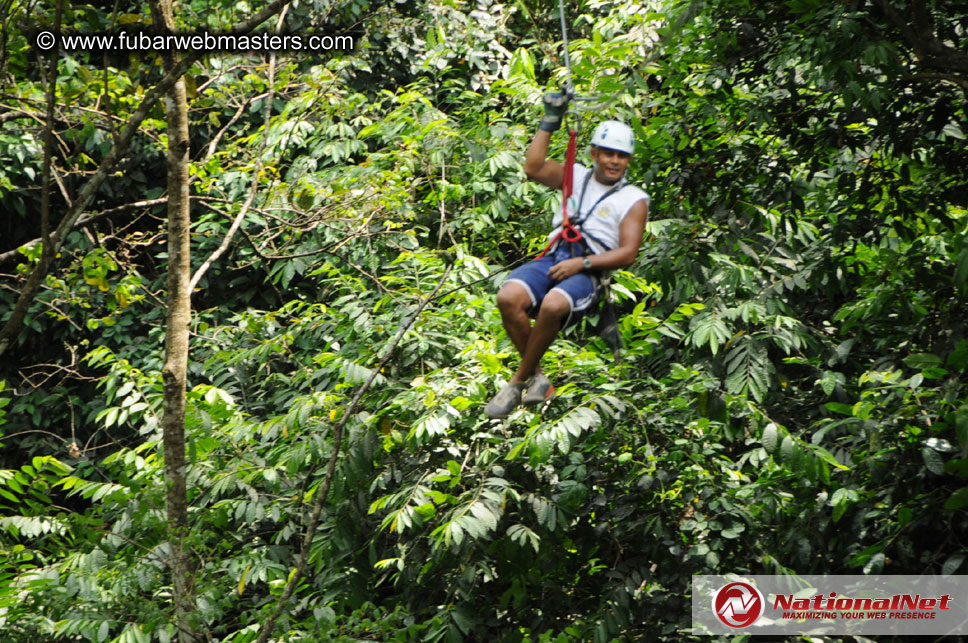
point(554, 306)
point(513, 298)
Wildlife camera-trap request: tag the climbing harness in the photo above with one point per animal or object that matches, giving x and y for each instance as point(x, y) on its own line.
point(581, 200)
point(571, 231)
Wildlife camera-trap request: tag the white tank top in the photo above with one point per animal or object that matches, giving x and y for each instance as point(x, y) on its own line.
point(600, 226)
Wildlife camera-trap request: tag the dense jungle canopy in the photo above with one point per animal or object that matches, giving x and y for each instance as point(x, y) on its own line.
point(791, 398)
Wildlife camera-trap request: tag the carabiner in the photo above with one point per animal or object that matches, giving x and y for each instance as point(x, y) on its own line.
point(575, 116)
point(570, 233)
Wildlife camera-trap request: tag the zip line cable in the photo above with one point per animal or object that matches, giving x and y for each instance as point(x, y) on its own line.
point(569, 87)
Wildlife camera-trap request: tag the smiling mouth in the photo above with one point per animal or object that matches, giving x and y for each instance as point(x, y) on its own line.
point(610, 172)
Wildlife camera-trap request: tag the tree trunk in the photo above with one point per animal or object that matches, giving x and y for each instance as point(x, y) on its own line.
point(175, 369)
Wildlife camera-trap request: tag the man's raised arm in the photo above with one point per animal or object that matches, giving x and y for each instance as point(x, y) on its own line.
point(536, 163)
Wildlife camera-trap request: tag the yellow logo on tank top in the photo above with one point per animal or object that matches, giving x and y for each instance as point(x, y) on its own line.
point(604, 211)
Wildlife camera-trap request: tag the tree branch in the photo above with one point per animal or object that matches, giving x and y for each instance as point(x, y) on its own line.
point(83, 221)
point(213, 144)
point(256, 172)
point(323, 492)
point(15, 323)
point(329, 251)
point(48, 250)
point(949, 78)
point(931, 53)
point(20, 113)
point(15, 114)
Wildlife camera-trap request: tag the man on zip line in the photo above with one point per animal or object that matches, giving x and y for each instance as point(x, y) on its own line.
point(606, 216)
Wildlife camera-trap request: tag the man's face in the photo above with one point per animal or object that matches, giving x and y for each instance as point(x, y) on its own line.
point(610, 164)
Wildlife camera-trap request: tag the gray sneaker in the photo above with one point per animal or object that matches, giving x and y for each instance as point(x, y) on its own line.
point(504, 402)
point(540, 390)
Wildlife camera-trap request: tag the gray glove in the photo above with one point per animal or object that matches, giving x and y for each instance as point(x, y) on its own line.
point(555, 106)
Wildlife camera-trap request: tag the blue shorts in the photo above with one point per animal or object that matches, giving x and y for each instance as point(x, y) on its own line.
point(581, 290)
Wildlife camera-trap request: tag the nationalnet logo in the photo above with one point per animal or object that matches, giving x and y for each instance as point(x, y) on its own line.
point(830, 605)
point(738, 604)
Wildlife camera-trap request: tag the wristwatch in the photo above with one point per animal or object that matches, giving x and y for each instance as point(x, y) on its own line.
point(586, 263)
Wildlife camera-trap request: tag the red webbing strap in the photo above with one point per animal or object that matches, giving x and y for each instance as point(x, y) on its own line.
point(569, 177)
point(568, 231)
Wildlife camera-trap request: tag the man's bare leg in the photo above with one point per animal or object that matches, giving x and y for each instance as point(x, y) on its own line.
point(513, 301)
point(554, 308)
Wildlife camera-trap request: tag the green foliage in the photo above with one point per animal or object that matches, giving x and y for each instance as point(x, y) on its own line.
point(790, 400)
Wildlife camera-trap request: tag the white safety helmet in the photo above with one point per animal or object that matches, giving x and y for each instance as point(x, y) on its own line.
point(615, 135)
